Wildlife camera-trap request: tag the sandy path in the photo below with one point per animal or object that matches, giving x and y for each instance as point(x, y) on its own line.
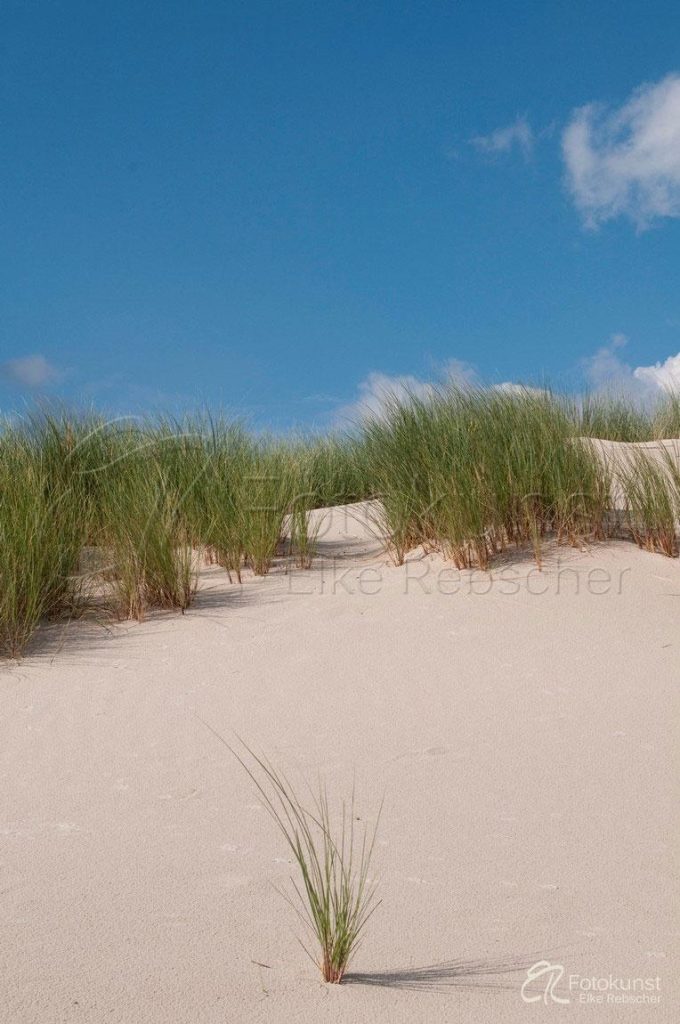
point(524, 741)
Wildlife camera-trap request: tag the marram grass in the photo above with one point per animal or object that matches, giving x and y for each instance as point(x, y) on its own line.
point(652, 502)
point(334, 896)
point(471, 472)
point(467, 472)
point(42, 531)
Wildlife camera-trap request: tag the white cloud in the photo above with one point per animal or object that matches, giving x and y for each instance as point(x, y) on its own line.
point(519, 134)
point(626, 161)
point(31, 372)
point(606, 371)
point(457, 371)
point(510, 387)
point(377, 390)
point(664, 375)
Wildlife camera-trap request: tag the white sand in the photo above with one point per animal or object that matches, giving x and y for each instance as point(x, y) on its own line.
point(524, 741)
point(621, 459)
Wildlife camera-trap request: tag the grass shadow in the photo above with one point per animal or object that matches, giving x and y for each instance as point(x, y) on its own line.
point(442, 977)
point(77, 635)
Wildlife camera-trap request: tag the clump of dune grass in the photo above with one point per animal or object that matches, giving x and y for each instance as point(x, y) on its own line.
point(467, 472)
point(41, 536)
point(401, 463)
point(472, 471)
point(651, 493)
point(666, 418)
point(217, 506)
point(614, 417)
point(143, 531)
point(335, 896)
point(303, 534)
point(337, 467)
point(305, 495)
point(243, 496)
point(263, 498)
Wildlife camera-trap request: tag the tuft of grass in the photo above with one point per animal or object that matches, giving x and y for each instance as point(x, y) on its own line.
point(401, 465)
point(613, 417)
point(666, 417)
point(335, 896)
point(471, 471)
point(142, 528)
point(41, 534)
point(263, 498)
point(651, 492)
point(306, 495)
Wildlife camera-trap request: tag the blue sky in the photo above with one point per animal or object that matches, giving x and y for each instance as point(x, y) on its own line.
point(280, 209)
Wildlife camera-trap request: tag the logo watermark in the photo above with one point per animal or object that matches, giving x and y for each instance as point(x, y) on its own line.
point(551, 975)
point(548, 983)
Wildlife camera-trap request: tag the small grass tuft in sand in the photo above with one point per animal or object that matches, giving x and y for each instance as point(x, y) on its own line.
point(334, 896)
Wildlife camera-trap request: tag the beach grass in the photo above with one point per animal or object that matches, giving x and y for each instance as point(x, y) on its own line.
point(652, 501)
point(468, 472)
point(143, 532)
point(42, 531)
point(471, 472)
point(334, 896)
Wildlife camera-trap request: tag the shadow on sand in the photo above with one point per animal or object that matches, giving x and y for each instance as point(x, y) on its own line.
point(442, 977)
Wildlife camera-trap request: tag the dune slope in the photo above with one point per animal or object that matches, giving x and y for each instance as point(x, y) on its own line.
point(520, 726)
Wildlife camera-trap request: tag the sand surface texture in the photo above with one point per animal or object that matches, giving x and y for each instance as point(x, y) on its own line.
point(521, 726)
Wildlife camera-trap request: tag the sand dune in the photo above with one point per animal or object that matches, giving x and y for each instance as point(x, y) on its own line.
point(622, 457)
point(520, 725)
